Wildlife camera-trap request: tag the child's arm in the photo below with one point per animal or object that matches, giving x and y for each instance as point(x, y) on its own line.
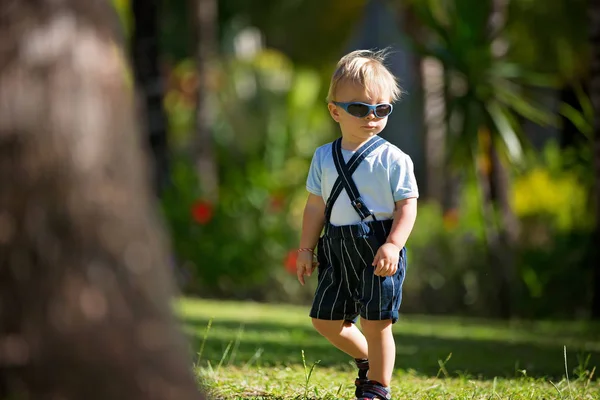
point(312, 224)
point(405, 214)
point(386, 259)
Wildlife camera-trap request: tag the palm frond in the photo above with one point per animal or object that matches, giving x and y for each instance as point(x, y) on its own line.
point(504, 126)
point(508, 94)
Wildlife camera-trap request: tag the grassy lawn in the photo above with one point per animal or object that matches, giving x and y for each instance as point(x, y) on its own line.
point(259, 351)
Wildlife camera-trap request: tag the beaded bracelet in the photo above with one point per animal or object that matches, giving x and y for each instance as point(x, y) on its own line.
point(305, 249)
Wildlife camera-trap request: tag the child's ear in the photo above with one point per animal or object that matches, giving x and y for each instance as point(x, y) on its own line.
point(334, 112)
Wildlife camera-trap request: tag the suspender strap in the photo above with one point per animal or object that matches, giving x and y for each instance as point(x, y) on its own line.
point(345, 181)
point(348, 183)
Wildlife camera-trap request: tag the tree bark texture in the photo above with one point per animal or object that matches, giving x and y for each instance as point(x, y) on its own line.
point(85, 287)
point(205, 24)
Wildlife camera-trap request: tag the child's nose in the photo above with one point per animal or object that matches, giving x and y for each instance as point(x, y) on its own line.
point(370, 115)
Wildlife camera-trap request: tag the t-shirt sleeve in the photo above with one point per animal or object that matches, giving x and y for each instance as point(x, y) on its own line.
point(313, 182)
point(402, 179)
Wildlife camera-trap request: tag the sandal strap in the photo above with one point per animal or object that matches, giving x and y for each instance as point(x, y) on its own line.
point(375, 391)
point(363, 367)
point(359, 383)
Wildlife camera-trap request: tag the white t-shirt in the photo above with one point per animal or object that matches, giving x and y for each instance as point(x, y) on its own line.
point(382, 178)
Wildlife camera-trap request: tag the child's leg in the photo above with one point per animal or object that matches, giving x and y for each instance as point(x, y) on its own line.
point(344, 335)
point(382, 350)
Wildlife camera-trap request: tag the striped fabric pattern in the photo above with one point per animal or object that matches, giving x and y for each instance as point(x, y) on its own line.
point(347, 286)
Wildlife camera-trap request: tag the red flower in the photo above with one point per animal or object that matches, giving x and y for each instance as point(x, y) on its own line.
point(290, 261)
point(202, 212)
point(276, 202)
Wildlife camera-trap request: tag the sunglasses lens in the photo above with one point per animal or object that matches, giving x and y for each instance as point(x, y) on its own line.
point(383, 110)
point(358, 110)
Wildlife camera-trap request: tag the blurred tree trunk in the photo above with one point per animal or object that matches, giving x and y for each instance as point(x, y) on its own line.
point(442, 184)
point(435, 135)
point(146, 65)
point(431, 72)
point(594, 12)
point(494, 185)
point(205, 12)
point(502, 235)
point(85, 288)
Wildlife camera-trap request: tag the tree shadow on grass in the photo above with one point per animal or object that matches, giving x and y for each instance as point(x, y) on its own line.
point(269, 344)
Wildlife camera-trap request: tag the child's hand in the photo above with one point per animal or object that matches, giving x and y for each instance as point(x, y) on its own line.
point(305, 265)
point(386, 260)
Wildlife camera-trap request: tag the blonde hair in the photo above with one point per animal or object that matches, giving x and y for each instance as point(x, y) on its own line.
point(366, 68)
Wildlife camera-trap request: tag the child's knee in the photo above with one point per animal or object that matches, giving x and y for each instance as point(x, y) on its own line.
point(325, 327)
point(375, 327)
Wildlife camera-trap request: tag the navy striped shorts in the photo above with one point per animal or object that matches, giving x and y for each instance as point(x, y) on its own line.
point(347, 286)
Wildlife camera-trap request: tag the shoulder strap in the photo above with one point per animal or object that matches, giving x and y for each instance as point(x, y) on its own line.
point(345, 171)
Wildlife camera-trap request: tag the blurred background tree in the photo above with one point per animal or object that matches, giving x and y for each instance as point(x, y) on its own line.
point(83, 261)
point(497, 117)
point(144, 44)
point(594, 12)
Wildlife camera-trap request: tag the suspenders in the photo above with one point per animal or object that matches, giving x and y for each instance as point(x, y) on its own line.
point(345, 181)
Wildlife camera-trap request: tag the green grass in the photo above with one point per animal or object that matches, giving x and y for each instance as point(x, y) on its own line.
point(257, 351)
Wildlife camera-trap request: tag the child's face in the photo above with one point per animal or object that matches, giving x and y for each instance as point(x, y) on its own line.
point(354, 128)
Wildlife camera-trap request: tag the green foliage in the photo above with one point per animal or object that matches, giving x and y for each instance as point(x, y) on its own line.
point(449, 264)
point(554, 206)
point(565, 51)
point(484, 90)
point(310, 32)
point(447, 258)
point(548, 192)
point(176, 25)
point(267, 124)
point(123, 9)
point(582, 119)
point(284, 23)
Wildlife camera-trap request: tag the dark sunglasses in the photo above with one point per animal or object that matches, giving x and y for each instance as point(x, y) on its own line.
point(361, 110)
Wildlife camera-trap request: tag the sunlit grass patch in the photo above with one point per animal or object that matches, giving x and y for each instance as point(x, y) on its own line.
point(260, 351)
